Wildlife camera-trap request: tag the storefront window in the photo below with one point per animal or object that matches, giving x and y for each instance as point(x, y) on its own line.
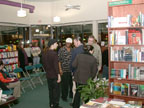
point(62, 32)
point(103, 33)
point(41, 30)
point(41, 34)
point(11, 35)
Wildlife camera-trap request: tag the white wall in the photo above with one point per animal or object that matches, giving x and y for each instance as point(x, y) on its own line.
point(9, 14)
point(90, 10)
point(46, 10)
point(42, 13)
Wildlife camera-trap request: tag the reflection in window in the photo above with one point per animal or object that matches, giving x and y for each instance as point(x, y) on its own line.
point(62, 32)
point(11, 35)
point(103, 32)
point(41, 30)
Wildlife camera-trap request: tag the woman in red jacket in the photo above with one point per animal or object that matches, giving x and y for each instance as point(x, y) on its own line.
point(7, 83)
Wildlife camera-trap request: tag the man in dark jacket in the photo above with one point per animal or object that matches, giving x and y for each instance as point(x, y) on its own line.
point(50, 63)
point(86, 67)
point(77, 50)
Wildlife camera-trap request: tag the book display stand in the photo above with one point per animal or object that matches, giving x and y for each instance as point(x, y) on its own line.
point(9, 56)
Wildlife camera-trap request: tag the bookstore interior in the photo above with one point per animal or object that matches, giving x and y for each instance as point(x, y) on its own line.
point(122, 33)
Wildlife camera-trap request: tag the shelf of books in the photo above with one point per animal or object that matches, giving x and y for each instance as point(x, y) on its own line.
point(126, 49)
point(9, 56)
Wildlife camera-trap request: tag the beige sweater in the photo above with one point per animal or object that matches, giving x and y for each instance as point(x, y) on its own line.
point(36, 51)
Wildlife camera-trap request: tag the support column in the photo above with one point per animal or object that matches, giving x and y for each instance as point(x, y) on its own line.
point(52, 32)
point(95, 30)
point(30, 34)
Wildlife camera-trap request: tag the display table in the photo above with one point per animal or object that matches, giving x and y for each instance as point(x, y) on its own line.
point(111, 103)
point(8, 102)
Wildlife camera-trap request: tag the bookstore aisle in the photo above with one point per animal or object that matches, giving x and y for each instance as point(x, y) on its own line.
point(38, 98)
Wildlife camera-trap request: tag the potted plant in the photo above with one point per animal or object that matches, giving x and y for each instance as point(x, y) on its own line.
point(93, 89)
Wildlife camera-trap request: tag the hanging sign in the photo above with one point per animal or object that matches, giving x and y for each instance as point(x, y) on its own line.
point(122, 2)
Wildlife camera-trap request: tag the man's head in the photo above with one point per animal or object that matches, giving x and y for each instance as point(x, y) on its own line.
point(52, 44)
point(77, 41)
point(68, 42)
point(91, 40)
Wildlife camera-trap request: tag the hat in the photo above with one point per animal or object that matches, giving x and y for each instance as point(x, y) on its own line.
point(68, 40)
point(51, 42)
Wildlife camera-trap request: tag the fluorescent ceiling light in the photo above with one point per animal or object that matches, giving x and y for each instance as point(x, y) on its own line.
point(21, 13)
point(56, 19)
point(37, 30)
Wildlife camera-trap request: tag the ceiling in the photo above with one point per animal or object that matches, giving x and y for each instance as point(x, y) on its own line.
point(34, 0)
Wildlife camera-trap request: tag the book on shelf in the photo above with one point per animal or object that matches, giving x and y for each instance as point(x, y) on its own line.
point(125, 89)
point(8, 54)
point(141, 73)
point(134, 36)
point(119, 21)
point(117, 88)
point(126, 21)
point(131, 72)
point(129, 53)
point(141, 91)
point(119, 37)
point(133, 90)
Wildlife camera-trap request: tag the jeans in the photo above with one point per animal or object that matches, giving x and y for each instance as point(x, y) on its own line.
point(36, 60)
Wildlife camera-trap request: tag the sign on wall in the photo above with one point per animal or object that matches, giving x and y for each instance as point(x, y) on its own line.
point(122, 2)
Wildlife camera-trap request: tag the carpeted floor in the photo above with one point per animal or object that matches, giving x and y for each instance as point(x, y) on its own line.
point(38, 98)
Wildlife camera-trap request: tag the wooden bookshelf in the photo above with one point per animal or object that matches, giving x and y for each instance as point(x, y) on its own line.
point(131, 58)
point(127, 98)
point(130, 81)
point(121, 28)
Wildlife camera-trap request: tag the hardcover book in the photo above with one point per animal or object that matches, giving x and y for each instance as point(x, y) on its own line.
point(135, 36)
point(117, 88)
point(125, 89)
point(134, 90)
point(141, 91)
point(141, 73)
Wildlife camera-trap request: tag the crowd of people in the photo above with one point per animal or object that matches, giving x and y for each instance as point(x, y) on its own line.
point(66, 68)
point(26, 56)
point(70, 67)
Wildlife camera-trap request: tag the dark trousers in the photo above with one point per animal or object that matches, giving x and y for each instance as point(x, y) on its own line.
point(23, 67)
point(66, 85)
point(54, 92)
point(76, 101)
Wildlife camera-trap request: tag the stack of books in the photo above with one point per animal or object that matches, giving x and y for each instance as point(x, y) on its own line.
point(111, 103)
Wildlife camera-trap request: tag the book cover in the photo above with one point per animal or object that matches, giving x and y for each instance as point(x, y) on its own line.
point(134, 90)
point(117, 88)
point(111, 87)
point(128, 53)
point(141, 91)
point(124, 89)
point(134, 36)
point(113, 73)
point(142, 54)
point(141, 73)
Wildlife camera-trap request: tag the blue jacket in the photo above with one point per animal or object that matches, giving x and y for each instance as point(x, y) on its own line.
point(75, 52)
